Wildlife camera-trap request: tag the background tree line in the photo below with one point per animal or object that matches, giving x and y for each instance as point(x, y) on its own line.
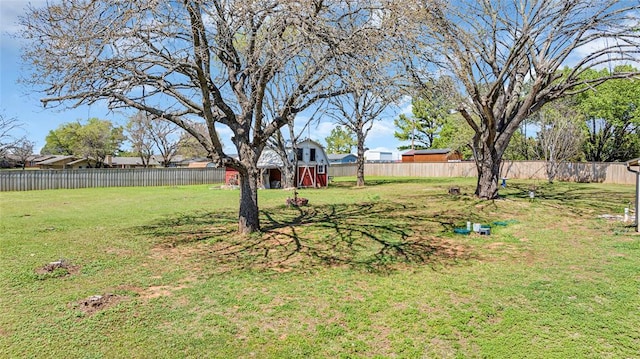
point(149, 139)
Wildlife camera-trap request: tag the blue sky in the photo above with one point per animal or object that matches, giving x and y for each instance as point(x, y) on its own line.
point(22, 103)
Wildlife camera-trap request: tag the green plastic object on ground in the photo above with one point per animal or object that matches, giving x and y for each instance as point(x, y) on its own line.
point(461, 231)
point(504, 223)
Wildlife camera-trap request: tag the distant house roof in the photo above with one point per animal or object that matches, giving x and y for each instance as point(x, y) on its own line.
point(75, 162)
point(131, 161)
point(442, 151)
point(56, 159)
point(39, 158)
point(204, 164)
point(338, 156)
point(268, 159)
point(177, 159)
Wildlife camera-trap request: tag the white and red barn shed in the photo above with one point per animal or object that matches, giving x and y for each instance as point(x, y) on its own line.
point(313, 164)
point(312, 168)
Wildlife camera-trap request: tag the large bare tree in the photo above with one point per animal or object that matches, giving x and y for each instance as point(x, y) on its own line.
point(358, 112)
point(375, 84)
point(196, 60)
point(507, 55)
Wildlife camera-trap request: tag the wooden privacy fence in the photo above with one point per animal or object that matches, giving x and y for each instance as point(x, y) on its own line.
point(601, 172)
point(615, 173)
point(100, 177)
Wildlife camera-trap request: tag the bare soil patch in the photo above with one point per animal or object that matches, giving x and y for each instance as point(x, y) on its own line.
point(97, 303)
point(57, 269)
point(158, 290)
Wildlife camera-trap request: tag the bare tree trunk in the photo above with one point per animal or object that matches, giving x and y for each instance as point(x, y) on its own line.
point(551, 166)
point(290, 162)
point(249, 220)
point(552, 171)
point(288, 175)
point(488, 165)
point(360, 161)
point(487, 187)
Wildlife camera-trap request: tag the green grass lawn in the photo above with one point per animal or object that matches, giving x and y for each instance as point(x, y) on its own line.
point(360, 272)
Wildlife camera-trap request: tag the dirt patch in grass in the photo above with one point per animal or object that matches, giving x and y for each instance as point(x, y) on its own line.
point(57, 269)
point(157, 290)
point(161, 291)
point(96, 303)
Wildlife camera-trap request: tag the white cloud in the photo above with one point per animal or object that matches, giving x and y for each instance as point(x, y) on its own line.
point(321, 131)
point(603, 43)
point(382, 129)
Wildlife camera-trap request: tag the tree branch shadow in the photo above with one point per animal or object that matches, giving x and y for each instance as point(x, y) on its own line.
point(576, 198)
point(373, 236)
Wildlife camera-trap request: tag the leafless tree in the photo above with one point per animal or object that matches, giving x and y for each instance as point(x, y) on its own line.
point(139, 133)
point(22, 151)
point(560, 137)
point(284, 141)
point(8, 140)
point(357, 111)
point(195, 60)
point(148, 135)
point(374, 84)
point(507, 55)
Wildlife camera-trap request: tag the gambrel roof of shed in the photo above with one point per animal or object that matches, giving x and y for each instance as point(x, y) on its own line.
point(270, 159)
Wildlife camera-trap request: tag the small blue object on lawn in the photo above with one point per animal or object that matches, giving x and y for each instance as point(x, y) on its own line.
point(504, 182)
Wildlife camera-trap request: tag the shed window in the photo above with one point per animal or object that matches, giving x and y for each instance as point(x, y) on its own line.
point(312, 156)
point(299, 154)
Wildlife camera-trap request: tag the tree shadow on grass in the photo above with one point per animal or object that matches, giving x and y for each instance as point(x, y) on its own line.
point(577, 198)
point(372, 236)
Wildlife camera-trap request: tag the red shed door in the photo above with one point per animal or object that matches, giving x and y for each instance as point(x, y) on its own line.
point(321, 177)
point(306, 176)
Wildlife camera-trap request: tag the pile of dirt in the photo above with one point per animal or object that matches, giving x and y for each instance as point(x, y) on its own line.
point(96, 303)
point(57, 269)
